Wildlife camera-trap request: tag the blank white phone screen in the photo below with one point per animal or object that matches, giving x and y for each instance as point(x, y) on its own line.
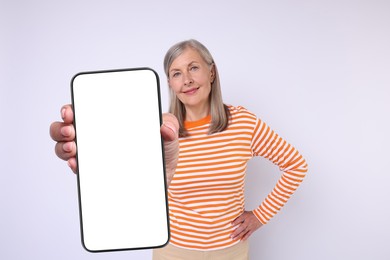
point(121, 175)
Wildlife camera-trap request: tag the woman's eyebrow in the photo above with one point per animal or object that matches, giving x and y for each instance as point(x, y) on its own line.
point(173, 69)
point(192, 62)
point(189, 64)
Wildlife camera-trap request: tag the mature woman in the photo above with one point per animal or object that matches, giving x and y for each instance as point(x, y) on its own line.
point(206, 193)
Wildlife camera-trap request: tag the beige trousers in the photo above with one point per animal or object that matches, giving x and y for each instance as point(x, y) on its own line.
point(239, 251)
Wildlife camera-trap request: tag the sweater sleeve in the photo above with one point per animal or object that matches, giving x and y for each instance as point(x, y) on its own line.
point(268, 144)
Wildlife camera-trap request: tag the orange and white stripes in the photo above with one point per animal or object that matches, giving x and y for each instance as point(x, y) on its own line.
point(207, 190)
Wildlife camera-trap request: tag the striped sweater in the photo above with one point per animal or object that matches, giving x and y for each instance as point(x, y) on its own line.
point(207, 190)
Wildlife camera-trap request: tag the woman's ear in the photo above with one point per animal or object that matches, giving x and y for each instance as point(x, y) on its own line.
point(212, 73)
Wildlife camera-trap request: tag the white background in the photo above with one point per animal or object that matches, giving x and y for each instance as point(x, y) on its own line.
point(316, 71)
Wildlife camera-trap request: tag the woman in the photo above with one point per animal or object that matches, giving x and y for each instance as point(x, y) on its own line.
point(206, 193)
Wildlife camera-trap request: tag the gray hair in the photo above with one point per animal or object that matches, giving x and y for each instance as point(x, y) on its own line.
point(218, 110)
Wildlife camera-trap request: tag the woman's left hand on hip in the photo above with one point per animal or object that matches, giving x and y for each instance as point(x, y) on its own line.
point(245, 225)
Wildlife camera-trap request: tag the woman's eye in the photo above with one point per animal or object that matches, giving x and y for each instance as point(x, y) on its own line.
point(194, 68)
point(176, 74)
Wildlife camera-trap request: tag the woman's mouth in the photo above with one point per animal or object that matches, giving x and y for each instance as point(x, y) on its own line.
point(191, 91)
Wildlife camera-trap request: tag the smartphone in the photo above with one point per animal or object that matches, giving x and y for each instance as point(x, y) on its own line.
point(120, 156)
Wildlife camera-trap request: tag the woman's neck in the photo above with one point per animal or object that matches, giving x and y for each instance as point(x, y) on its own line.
point(197, 113)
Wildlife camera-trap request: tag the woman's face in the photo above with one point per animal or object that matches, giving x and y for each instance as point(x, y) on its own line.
point(190, 77)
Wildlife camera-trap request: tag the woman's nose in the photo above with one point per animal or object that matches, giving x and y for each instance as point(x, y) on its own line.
point(187, 79)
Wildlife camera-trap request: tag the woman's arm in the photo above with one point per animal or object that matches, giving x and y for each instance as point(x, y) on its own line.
point(268, 144)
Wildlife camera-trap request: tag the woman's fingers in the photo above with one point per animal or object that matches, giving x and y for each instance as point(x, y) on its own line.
point(170, 127)
point(239, 219)
point(239, 231)
point(246, 224)
point(65, 150)
point(247, 235)
point(62, 132)
point(72, 163)
point(169, 132)
point(67, 114)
